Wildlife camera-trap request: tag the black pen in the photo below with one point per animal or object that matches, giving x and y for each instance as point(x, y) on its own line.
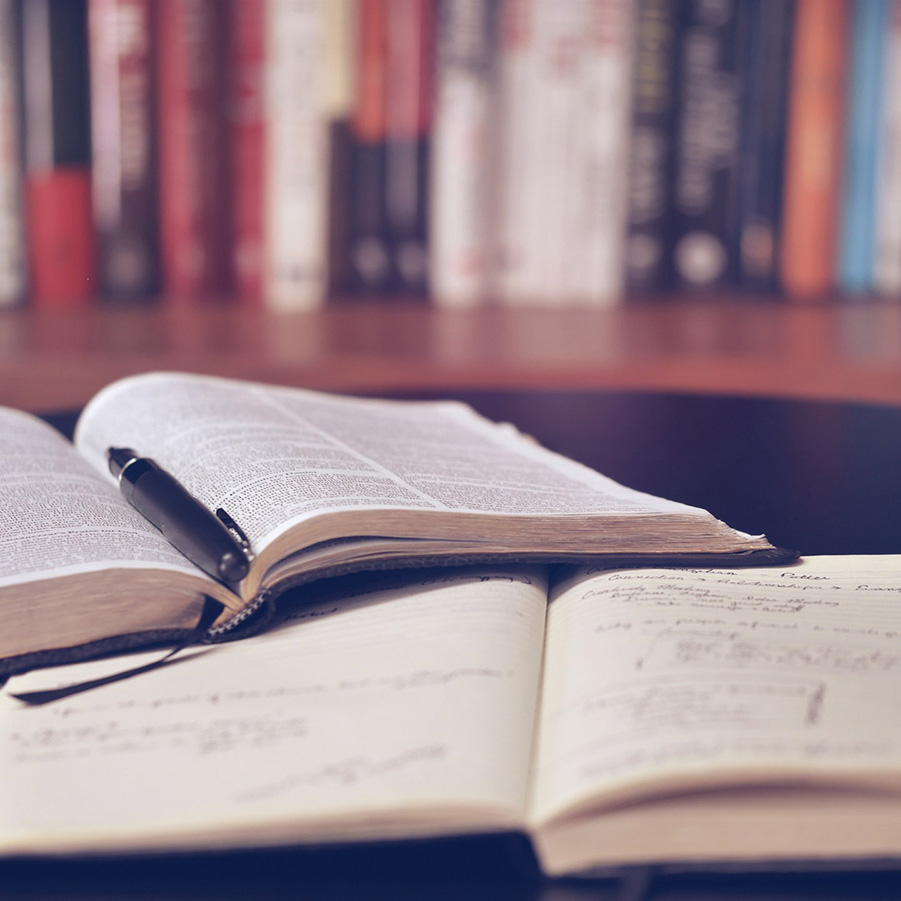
point(188, 525)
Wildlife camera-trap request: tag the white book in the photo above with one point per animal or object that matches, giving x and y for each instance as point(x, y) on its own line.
point(519, 170)
point(560, 35)
point(596, 189)
point(565, 112)
point(12, 244)
point(462, 173)
point(887, 263)
point(296, 155)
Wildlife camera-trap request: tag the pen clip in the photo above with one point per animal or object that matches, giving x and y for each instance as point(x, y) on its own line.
point(236, 531)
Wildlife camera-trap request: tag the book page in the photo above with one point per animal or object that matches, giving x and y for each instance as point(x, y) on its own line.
point(658, 680)
point(58, 516)
point(408, 710)
point(274, 456)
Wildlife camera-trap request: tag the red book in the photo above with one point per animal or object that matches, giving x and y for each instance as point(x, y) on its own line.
point(193, 196)
point(60, 237)
point(57, 153)
point(245, 63)
point(813, 162)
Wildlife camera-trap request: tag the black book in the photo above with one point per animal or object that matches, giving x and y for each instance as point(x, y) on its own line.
point(707, 143)
point(647, 265)
point(767, 55)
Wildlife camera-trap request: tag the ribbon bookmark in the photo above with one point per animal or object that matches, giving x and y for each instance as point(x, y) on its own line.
point(211, 610)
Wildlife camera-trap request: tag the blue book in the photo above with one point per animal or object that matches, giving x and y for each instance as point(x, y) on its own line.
point(864, 101)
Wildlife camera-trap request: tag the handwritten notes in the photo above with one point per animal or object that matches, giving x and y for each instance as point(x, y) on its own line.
point(658, 676)
point(419, 697)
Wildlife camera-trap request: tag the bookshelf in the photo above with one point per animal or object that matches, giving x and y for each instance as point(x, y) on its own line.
point(54, 360)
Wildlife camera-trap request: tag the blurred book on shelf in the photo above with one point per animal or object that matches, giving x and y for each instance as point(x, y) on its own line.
point(57, 157)
point(123, 127)
point(192, 148)
point(289, 153)
point(12, 238)
point(813, 161)
point(887, 237)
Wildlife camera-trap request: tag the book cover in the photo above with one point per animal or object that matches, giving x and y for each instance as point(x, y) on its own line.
point(887, 238)
point(866, 80)
point(59, 232)
point(409, 73)
point(707, 144)
point(369, 253)
point(766, 56)
point(245, 68)
point(193, 196)
point(296, 156)
point(12, 238)
point(651, 168)
point(123, 129)
point(813, 162)
point(462, 164)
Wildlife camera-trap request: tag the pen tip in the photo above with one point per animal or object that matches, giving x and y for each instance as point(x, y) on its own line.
point(233, 566)
point(118, 458)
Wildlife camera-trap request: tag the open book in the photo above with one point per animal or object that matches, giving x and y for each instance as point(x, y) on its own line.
point(321, 485)
point(643, 715)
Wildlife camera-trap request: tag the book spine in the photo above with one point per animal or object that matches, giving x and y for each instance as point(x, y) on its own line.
point(767, 56)
point(462, 138)
point(560, 50)
point(193, 211)
point(296, 171)
point(814, 148)
point(862, 135)
point(652, 127)
point(596, 193)
point(519, 172)
point(545, 76)
point(12, 239)
point(123, 139)
point(340, 39)
point(57, 153)
point(370, 260)
point(707, 145)
point(245, 67)
point(408, 118)
point(887, 264)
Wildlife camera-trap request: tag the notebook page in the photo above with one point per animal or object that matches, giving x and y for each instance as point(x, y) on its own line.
point(409, 710)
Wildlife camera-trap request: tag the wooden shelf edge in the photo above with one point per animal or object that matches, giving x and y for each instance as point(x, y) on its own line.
point(55, 360)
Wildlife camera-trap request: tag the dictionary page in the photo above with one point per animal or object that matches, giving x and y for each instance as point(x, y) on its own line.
point(405, 711)
point(661, 683)
point(70, 546)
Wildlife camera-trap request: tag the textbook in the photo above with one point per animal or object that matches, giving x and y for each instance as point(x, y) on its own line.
point(616, 716)
point(318, 485)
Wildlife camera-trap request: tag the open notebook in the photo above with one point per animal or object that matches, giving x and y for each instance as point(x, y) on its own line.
point(666, 715)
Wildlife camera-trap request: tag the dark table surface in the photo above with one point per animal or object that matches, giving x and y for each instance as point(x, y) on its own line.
point(817, 477)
